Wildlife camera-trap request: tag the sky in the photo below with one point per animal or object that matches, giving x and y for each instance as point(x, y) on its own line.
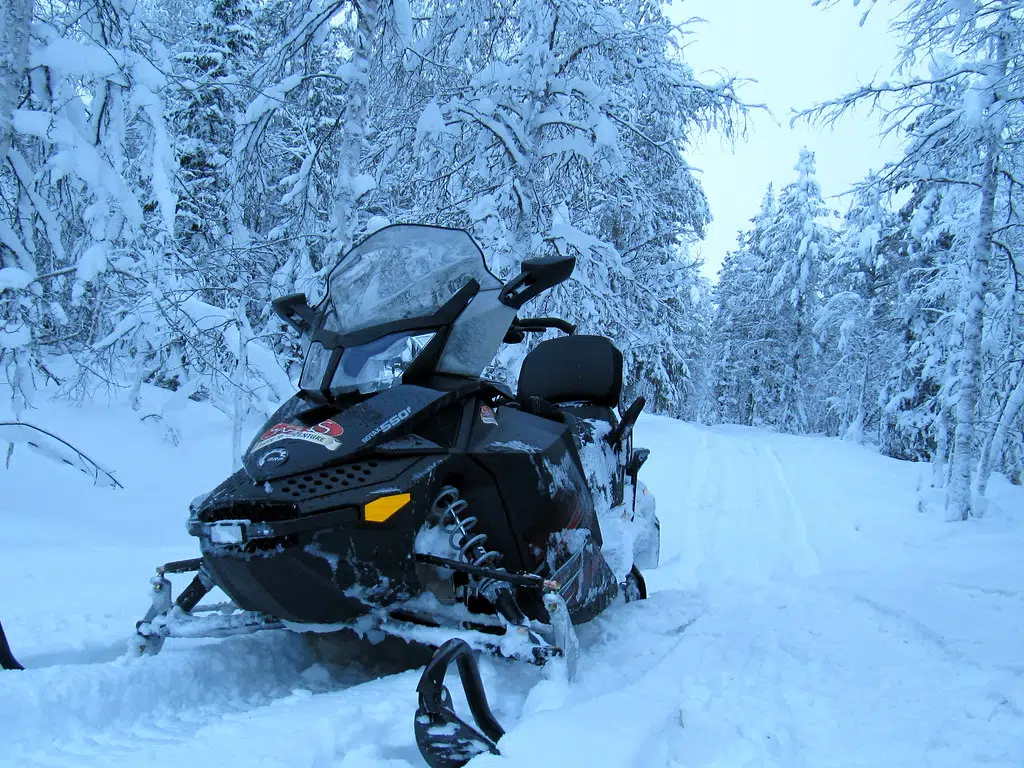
point(799, 55)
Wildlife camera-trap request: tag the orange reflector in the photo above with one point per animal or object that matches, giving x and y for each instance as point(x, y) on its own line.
point(379, 510)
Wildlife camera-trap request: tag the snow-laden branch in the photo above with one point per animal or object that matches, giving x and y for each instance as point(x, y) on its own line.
point(57, 449)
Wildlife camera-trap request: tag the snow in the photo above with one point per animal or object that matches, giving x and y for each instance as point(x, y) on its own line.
point(362, 184)
point(811, 609)
point(90, 266)
point(271, 98)
point(12, 278)
point(14, 339)
point(430, 123)
point(14, 433)
point(81, 58)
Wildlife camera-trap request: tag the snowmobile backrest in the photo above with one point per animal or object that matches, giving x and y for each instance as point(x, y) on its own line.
point(573, 369)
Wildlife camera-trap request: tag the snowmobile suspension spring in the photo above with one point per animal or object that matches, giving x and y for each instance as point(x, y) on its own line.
point(470, 547)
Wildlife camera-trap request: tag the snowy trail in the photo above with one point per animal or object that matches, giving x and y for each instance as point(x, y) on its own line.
point(803, 655)
point(733, 519)
point(805, 614)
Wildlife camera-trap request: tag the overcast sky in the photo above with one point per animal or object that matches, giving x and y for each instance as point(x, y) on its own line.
point(799, 55)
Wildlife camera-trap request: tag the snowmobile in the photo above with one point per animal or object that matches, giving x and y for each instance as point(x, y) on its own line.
point(400, 493)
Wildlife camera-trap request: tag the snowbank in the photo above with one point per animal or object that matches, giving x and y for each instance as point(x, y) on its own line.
point(806, 613)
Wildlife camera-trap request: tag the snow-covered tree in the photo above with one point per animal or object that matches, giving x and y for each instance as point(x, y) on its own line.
point(547, 126)
point(916, 417)
point(795, 243)
point(83, 143)
point(15, 22)
point(858, 334)
point(741, 352)
point(963, 121)
point(171, 167)
point(17, 267)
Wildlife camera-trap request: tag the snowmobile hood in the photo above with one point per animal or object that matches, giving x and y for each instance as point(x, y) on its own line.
point(287, 446)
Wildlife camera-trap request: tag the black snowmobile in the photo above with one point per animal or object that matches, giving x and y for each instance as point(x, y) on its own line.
point(400, 493)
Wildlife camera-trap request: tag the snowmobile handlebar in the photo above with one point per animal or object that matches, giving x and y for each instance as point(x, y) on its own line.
point(520, 327)
point(541, 324)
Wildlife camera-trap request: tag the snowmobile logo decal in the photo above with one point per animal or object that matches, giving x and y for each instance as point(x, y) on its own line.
point(326, 433)
point(487, 415)
point(388, 425)
point(274, 457)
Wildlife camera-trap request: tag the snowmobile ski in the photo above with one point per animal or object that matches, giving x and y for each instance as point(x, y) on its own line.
point(7, 660)
point(445, 741)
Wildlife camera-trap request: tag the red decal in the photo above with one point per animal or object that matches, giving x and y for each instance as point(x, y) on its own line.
point(326, 434)
point(329, 427)
point(278, 429)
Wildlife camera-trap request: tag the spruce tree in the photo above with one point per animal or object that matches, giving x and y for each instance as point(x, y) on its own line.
point(795, 244)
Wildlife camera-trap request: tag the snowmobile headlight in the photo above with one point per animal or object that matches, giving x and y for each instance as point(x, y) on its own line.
point(197, 502)
point(228, 531)
point(379, 364)
point(318, 358)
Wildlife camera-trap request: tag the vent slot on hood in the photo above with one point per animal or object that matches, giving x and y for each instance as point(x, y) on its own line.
point(331, 479)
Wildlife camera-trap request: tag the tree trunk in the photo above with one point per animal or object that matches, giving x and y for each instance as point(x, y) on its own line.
point(941, 450)
point(855, 431)
point(16, 19)
point(958, 498)
point(240, 410)
point(354, 130)
point(994, 445)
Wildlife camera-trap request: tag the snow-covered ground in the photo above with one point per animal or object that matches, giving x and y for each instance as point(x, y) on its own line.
point(811, 610)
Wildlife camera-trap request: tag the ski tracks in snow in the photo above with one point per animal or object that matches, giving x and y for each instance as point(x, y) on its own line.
point(800, 660)
point(731, 516)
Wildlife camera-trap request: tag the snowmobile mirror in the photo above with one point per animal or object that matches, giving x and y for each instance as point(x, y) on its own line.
point(625, 427)
point(535, 277)
point(294, 309)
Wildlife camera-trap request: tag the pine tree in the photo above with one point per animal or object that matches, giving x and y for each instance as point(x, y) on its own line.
point(857, 331)
point(916, 416)
point(795, 244)
point(743, 342)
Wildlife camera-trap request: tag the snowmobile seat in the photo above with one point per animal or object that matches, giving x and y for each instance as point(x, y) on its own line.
point(574, 369)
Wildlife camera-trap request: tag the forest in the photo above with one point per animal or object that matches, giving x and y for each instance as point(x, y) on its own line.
point(168, 168)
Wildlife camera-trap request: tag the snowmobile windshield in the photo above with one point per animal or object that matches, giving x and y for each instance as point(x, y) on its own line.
point(401, 272)
point(404, 272)
point(364, 368)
